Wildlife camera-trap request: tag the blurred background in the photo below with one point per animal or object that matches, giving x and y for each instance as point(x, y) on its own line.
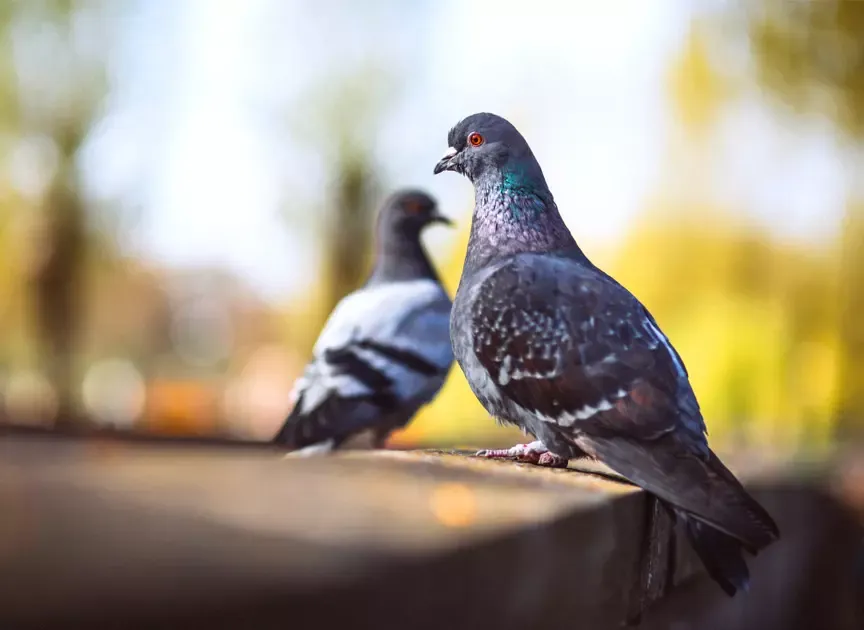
point(188, 187)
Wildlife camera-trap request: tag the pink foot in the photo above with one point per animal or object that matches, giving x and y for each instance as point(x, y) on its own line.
point(533, 453)
point(552, 460)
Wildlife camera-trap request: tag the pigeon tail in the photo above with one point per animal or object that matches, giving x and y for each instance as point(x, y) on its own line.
point(333, 421)
point(742, 517)
point(720, 553)
point(697, 484)
point(289, 435)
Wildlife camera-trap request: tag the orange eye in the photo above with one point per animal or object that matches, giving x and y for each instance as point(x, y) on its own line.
point(475, 139)
point(413, 207)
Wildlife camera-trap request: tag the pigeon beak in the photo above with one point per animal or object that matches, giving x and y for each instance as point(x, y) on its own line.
point(440, 218)
point(446, 163)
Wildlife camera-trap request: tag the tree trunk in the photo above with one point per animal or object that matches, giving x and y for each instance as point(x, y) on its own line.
point(57, 289)
point(349, 238)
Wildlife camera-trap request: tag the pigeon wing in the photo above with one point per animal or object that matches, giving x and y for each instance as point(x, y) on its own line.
point(384, 350)
point(565, 343)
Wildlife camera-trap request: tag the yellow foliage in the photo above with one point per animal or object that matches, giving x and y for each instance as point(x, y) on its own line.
point(17, 342)
point(754, 320)
point(697, 88)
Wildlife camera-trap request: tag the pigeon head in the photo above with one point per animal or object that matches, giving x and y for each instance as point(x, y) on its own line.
point(407, 212)
point(514, 210)
point(485, 145)
point(399, 252)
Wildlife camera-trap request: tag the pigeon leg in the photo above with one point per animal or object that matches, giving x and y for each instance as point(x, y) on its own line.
point(533, 453)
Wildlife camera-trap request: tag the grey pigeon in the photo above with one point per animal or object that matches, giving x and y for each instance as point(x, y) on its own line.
point(385, 350)
point(552, 344)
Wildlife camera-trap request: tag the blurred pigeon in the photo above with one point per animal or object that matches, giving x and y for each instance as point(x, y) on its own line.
point(385, 350)
point(554, 345)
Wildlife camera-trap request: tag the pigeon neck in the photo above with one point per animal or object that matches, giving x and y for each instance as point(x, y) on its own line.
point(515, 213)
point(400, 257)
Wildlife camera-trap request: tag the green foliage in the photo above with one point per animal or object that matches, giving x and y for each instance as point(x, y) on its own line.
point(811, 54)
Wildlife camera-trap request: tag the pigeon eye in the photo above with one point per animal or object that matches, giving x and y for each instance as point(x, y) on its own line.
point(412, 207)
point(475, 139)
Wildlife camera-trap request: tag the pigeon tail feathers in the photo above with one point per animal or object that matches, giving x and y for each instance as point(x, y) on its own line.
point(720, 554)
point(745, 518)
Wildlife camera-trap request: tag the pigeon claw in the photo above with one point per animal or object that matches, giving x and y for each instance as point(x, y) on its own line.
point(534, 453)
point(518, 452)
point(499, 453)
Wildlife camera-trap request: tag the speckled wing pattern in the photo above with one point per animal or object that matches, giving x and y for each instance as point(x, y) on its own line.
point(384, 352)
point(568, 344)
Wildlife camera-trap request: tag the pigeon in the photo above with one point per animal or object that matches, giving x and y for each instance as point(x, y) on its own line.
point(550, 343)
point(385, 349)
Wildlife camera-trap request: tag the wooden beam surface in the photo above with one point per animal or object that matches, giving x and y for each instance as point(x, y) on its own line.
point(103, 533)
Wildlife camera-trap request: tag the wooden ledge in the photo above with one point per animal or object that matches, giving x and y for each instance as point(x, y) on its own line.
point(104, 533)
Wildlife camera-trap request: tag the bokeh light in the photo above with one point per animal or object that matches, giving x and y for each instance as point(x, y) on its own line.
point(454, 504)
point(114, 393)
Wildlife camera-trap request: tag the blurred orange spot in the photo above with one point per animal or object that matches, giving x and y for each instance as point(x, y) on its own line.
point(404, 439)
point(181, 408)
point(454, 505)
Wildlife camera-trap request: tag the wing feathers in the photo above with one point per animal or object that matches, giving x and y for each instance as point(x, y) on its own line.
point(409, 359)
point(371, 363)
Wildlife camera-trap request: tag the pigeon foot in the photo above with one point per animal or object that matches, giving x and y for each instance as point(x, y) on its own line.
point(534, 453)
